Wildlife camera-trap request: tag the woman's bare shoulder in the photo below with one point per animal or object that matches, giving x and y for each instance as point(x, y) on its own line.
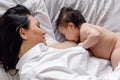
point(64, 45)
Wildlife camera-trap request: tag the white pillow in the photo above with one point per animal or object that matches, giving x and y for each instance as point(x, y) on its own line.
point(105, 13)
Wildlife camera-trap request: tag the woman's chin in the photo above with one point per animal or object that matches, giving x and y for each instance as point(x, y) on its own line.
point(45, 43)
point(77, 41)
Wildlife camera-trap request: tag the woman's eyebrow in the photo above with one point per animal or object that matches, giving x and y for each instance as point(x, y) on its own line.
point(38, 23)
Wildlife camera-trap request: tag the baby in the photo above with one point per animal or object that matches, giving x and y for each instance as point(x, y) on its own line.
point(101, 42)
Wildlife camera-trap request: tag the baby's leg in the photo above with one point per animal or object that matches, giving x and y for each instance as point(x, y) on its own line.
point(90, 52)
point(115, 58)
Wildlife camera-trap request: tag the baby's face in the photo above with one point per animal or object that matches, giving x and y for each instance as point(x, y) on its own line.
point(70, 33)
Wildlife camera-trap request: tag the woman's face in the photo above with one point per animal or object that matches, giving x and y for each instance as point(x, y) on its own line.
point(35, 33)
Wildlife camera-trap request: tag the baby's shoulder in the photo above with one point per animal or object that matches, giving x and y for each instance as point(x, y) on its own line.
point(85, 24)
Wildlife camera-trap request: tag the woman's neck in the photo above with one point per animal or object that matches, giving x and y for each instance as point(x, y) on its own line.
point(24, 49)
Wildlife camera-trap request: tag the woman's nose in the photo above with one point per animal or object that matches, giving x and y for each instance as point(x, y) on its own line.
point(44, 32)
point(66, 37)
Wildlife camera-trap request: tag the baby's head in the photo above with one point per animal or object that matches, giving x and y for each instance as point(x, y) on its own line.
point(69, 22)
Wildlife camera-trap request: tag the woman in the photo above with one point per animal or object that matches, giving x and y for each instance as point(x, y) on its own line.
point(19, 32)
point(12, 24)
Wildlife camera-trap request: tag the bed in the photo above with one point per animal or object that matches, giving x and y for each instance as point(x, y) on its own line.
point(105, 13)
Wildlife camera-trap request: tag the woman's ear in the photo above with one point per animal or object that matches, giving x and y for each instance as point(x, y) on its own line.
point(23, 33)
point(71, 25)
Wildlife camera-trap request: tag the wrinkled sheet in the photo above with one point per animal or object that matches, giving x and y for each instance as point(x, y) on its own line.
point(7, 76)
point(105, 13)
point(39, 11)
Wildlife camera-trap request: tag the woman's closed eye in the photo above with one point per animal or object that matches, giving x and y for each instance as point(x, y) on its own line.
point(38, 25)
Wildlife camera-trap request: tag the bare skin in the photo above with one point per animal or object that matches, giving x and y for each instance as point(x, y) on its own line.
point(64, 45)
point(35, 35)
point(102, 42)
point(99, 40)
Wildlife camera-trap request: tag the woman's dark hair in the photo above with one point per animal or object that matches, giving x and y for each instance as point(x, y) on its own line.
point(67, 14)
point(10, 40)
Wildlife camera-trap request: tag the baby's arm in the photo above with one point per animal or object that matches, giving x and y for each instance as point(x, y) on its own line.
point(64, 45)
point(91, 37)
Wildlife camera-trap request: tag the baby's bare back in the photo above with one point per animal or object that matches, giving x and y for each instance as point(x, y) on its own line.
point(105, 46)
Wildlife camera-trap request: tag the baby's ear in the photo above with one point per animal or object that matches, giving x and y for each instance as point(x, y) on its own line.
point(71, 25)
point(23, 33)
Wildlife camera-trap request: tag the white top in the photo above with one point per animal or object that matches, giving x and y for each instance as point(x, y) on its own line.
point(43, 63)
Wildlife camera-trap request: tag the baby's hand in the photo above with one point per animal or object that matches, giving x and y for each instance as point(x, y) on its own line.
point(80, 44)
point(90, 53)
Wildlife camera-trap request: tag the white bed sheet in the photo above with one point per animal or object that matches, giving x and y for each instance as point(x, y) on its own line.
point(105, 13)
point(39, 11)
point(100, 12)
point(7, 76)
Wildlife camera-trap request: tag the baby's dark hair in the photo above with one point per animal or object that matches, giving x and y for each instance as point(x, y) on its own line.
point(67, 14)
point(10, 39)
